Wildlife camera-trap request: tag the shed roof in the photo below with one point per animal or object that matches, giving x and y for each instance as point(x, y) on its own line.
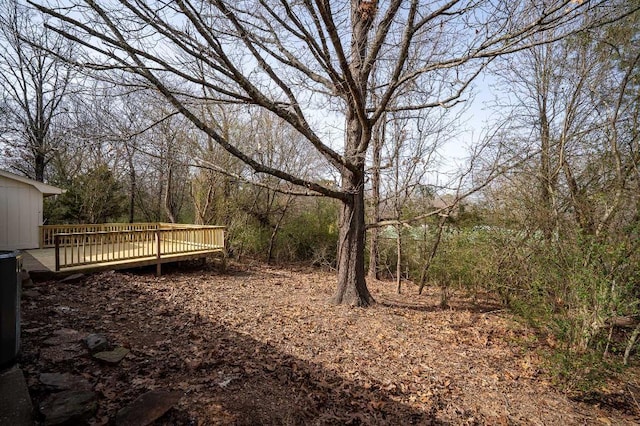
point(42, 187)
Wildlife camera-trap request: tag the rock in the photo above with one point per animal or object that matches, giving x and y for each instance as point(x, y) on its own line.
point(64, 335)
point(112, 357)
point(147, 408)
point(66, 381)
point(72, 278)
point(96, 343)
point(70, 407)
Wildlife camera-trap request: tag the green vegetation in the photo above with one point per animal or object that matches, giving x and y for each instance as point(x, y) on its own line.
point(92, 197)
point(307, 233)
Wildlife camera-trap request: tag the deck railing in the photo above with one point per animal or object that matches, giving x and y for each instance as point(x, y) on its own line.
point(47, 232)
point(157, 242)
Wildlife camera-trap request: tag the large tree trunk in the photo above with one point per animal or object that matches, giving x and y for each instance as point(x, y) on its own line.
point(352, 287)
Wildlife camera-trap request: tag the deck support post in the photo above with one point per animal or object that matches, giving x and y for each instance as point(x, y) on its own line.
point(158, 264)
point(56, 244)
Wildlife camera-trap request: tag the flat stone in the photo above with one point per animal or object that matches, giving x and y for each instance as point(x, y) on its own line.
point(15, 403)
point(69, 407)
point(63, 352)
point(96, 343)
point(66, 381)
point(147, 408)
point(112, 357)
point(72, 278)
point(64, 335)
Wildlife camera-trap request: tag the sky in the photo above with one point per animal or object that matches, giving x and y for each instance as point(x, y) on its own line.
point(474, 121)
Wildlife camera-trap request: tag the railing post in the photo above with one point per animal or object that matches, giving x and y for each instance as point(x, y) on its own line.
point(56, 243)
point(158, 264)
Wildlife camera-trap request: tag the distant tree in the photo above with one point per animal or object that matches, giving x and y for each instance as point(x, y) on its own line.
point(573, 106)
point(93, 197)
point(34, 86)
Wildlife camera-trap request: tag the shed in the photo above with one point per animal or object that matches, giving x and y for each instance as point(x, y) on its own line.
point(21, 210)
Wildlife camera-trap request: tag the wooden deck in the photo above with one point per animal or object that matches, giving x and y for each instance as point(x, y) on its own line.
point(70, 249)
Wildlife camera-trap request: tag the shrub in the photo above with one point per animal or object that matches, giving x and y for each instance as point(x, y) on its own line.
point(311, 234)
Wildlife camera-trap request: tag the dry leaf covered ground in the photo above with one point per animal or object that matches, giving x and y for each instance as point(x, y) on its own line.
point(261, 345)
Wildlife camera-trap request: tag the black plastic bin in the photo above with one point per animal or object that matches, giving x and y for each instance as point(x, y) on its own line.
point(10, 289)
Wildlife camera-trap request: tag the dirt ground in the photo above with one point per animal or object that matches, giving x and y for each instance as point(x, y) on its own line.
point(261, 345)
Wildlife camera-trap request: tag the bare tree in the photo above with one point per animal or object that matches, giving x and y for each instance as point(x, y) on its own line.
point(570, 107)
point(35, 83)
point(295, 59)
point(412, 142)
point(212, 185)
